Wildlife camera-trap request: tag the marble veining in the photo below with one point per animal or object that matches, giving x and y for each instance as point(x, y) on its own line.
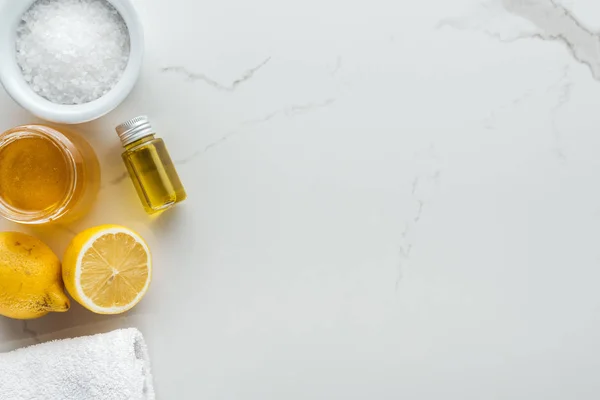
point(552, 22)
point(30, 332)
point(293, 110)
point(423, 189)
point(556, 23)
point(194, 76)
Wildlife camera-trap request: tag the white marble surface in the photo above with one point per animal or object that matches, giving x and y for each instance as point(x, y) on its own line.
point(387, 199)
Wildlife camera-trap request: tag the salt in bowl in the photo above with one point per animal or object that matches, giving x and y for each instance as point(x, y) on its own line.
point(13, 81)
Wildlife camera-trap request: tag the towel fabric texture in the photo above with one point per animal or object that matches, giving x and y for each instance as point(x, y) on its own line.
point(109, 366)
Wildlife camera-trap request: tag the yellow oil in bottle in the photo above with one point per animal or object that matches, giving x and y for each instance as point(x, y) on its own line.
point(153, 175)
point(150, 166)
point(34, 175)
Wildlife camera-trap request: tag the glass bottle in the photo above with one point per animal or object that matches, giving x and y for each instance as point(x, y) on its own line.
point(150, 166)
point(46, 175)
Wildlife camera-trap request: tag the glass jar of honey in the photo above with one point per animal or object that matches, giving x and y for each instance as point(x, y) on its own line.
point(46, 175)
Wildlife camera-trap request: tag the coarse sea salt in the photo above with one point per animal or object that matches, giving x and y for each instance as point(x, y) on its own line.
point(72, 51)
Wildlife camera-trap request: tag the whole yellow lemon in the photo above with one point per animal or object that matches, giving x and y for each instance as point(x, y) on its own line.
point(30, 278)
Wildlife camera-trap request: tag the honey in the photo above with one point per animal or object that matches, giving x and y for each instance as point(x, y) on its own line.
point(34, 174)
point(46, 175)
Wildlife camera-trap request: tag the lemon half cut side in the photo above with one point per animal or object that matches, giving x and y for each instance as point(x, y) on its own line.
point(107, 269)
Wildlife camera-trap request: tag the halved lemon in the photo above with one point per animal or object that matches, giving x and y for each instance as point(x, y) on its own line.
point(107, 269)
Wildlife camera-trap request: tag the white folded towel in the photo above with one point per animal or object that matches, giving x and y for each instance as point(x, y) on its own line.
point(110, 366)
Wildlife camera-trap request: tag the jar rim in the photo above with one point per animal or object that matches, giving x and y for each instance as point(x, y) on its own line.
point(64, 145)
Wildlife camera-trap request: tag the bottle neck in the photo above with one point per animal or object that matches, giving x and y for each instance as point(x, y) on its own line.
point(139, 141)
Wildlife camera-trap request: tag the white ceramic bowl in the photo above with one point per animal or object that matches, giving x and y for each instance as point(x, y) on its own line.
point(16, 86)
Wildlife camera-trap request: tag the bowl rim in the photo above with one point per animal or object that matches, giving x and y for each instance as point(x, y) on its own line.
point(15, 85)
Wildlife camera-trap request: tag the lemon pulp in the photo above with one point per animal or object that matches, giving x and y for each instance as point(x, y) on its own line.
point(107, 269)
point(114, 270)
